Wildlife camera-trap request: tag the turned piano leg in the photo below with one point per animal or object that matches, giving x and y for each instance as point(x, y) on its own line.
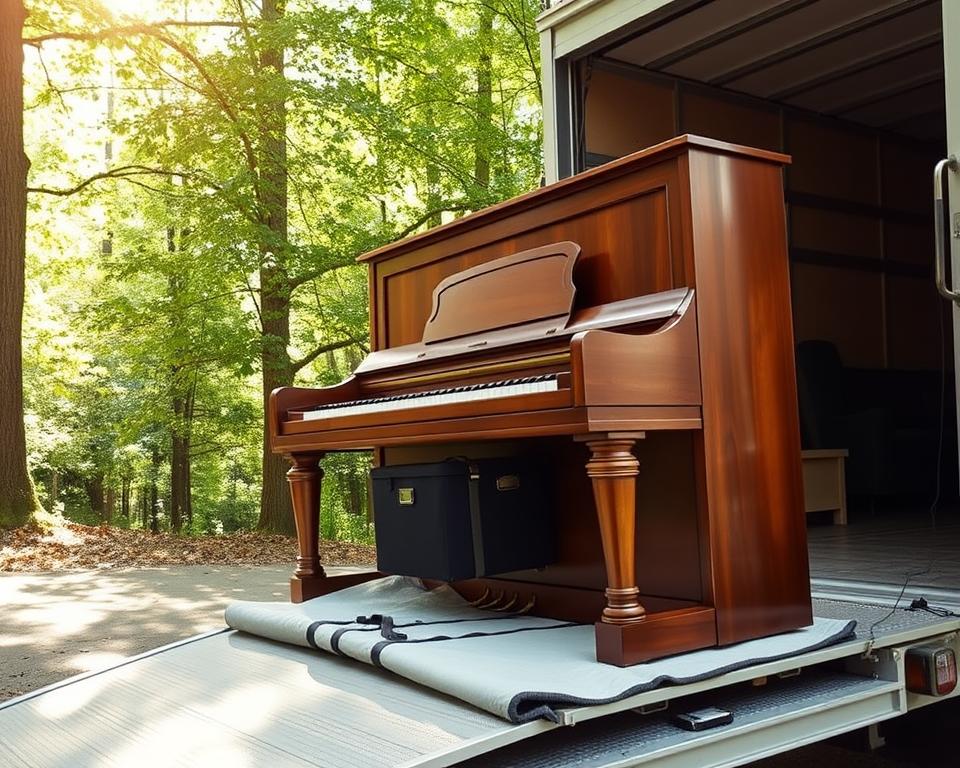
point(613, 470)
point(304, 477)
point(626, 634)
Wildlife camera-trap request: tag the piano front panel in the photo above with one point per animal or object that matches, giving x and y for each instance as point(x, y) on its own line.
point(629, 233)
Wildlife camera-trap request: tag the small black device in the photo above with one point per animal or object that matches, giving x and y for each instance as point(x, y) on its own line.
point(703, 719)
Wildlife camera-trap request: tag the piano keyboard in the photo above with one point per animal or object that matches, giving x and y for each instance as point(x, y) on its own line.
point(486, 391)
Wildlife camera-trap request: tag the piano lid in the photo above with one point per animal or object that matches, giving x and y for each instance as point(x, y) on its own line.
point(527, 287)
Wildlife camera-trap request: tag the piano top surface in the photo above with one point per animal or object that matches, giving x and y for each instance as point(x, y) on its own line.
point(622, 165)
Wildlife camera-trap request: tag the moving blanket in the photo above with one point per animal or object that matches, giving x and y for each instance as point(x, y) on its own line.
point(518, 667)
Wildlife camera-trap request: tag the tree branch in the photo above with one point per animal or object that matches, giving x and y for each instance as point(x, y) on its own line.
point(120, 31)
point(156, 31)
point(445, 208)
point(304, 361)
point(50, 85)
point(120, 172)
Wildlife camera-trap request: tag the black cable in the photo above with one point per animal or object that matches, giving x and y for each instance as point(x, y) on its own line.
point(932, 512)
point(581, 138)
point(934, 505)
point(893, 610)
point(921, 604)
point(938, 484)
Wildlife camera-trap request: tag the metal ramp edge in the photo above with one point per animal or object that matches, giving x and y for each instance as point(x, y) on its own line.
point(797, 711)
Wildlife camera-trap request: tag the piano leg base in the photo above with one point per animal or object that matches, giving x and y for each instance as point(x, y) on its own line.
point(302, 589)
point(655, 636)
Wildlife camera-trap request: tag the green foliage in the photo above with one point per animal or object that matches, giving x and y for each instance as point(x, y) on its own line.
point(147, 313)
point(345, 512)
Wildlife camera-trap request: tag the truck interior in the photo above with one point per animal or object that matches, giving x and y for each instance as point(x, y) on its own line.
point(855, 93)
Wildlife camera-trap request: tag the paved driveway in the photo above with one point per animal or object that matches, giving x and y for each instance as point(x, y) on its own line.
point(55, 624)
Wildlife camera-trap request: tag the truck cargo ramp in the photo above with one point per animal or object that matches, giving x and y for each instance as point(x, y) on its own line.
point(229, 696)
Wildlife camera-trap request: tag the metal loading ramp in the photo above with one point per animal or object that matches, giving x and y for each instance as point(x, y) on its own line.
point(784, 713)
point(232, 697)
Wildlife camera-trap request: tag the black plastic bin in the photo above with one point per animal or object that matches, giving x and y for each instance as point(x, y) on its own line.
point(459, 519)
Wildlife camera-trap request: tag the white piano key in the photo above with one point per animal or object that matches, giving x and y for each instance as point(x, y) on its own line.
point(432, 398)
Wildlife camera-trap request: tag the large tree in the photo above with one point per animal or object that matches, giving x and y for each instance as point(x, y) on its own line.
point(304, 136)
point(17, 498)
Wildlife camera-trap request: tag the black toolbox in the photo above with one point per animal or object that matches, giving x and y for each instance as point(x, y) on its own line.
point(459, 519)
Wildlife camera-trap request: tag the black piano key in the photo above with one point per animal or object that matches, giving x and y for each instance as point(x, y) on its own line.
point(435, 392)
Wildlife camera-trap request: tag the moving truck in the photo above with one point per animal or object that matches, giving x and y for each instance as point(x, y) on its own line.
point(865, 97)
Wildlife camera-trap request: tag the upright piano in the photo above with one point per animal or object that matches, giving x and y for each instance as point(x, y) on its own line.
point(632, 326)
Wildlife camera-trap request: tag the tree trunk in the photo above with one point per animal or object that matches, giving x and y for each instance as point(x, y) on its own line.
point(154, 497)
point(276, 511)
point(481, 147)
point(54, 489)
point(180, 429)
point(18, 501)
point(189, 482)
point(109, 502)
point(432, 178)
point(95, 495)
point(355, 494)
point(179, 466)
point(125, 498)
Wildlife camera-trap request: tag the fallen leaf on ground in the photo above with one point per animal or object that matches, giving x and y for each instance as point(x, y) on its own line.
point(75, 546)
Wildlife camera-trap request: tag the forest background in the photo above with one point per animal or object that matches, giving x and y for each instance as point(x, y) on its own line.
point(202, 176)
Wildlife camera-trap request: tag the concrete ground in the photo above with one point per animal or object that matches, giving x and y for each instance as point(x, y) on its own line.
point(57, 624)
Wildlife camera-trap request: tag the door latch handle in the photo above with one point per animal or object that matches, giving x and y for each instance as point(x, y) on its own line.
point(940, 217)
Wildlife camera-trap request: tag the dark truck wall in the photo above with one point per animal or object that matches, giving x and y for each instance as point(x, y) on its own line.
point(860, 233)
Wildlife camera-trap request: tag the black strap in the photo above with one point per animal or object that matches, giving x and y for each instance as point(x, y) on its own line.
point(480, 566)
point(387, 628)
point(386, 625)
point(312, 631)
point(377, 650)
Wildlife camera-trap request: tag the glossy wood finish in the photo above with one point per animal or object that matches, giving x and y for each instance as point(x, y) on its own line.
point(719, 523)
point(306, 588)
point(397, 366)
point(310, 580)
point(625, 217)
point(511, 422)
point(480, 299)
point(659, 634)
point(304, 478)
point(613, 470)
point(753, 486)
point(671, 352)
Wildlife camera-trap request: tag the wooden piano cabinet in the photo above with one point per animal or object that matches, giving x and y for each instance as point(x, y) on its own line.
point(708, 545)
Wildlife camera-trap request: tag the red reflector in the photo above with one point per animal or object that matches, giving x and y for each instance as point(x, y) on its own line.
point(931, 669)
